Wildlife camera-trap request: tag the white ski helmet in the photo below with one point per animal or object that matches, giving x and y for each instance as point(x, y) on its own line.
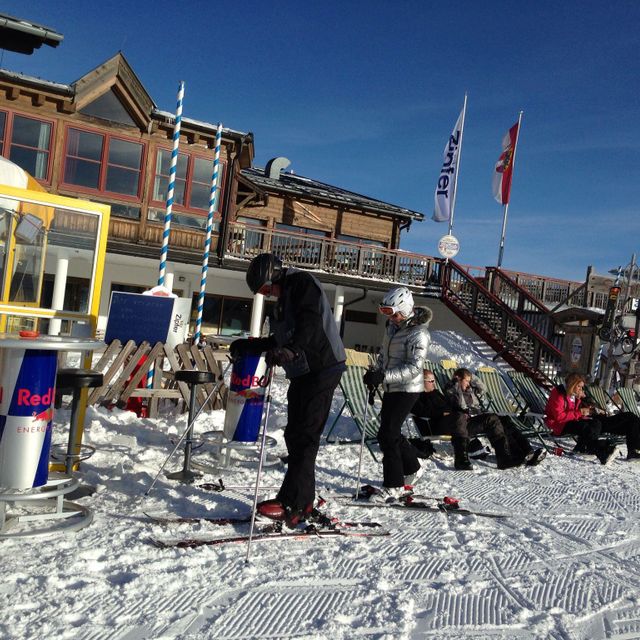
point(400, 300)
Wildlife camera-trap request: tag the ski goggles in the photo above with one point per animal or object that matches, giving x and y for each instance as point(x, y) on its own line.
point(387, 311)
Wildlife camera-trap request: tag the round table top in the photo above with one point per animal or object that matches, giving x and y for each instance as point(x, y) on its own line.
point(53, 343)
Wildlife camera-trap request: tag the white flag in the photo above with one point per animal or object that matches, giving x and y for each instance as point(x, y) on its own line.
point(444, 195)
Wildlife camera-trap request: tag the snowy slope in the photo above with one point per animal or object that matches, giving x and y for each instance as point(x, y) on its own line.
point(565, 564)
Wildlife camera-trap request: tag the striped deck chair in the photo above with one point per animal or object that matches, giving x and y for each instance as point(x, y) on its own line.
point(449, 366)
point(600, 398)
point(440, 374)
point(501, 398)
point(629, 400)
point(533, 396)
point(355, 398)
point(504, 402)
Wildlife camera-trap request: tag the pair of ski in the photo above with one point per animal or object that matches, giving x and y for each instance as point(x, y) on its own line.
point(318, 526)
point(447, 504)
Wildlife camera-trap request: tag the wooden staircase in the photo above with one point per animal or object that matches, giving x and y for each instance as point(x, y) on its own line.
point(514, 327)
point(522, 303)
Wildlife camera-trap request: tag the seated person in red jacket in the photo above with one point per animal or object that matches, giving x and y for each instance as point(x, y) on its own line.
point(566, 413)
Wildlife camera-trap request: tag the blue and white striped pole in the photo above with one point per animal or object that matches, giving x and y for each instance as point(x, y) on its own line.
point(213, 205)
point(172, 184)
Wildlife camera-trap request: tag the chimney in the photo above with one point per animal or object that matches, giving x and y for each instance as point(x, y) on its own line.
point(275, 166)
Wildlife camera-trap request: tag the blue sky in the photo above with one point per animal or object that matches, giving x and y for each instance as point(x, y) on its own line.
point(364, 94)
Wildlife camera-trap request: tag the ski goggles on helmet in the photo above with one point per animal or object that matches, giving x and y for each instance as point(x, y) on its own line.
point(387, 311)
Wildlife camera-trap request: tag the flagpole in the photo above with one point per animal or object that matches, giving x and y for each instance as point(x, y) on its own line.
point(172, 181)
point(506, 206)
point(213, 205)
point(459, 158)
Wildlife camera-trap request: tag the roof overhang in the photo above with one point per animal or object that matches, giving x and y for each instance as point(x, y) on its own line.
point(577, 314)
point(22, 36)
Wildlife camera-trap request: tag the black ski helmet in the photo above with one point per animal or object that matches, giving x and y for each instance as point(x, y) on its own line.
point(263, 269)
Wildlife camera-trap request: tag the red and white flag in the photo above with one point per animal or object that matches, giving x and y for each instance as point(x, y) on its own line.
point(503, 172)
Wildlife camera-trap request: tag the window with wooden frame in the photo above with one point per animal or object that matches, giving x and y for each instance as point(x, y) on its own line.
point(192, 184)
point(27, 142)
point(102, 162)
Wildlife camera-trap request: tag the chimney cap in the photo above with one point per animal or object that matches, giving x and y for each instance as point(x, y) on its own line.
point(275, 166)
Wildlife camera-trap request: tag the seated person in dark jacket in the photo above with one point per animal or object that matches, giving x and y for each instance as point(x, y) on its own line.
point(465, 394)
point(434, 415)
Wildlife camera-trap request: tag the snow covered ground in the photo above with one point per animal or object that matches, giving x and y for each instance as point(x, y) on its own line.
point(565, 564)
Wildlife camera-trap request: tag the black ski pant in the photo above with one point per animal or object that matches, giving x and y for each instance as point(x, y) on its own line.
point(309, 398)
point(622, 424)
point(499, 429)
point(399, 457)
point(587, 430)
point(452, 424)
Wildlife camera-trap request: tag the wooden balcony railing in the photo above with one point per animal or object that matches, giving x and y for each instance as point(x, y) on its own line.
point(335, 256)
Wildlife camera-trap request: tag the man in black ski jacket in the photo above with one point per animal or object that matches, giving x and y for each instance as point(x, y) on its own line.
point(305, 341)
point(435, 415)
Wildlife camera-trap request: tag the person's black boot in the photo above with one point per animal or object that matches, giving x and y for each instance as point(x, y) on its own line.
point(504, 458)
point(461, 460)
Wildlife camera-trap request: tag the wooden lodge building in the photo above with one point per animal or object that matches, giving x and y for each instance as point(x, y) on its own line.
point(102, 138)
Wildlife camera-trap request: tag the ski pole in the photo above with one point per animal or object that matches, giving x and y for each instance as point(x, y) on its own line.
point(370, 399)
point(260, 463)
point(186, 431)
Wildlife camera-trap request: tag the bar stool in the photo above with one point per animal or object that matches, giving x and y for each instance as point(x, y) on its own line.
point(77, 380)
point(193, 378)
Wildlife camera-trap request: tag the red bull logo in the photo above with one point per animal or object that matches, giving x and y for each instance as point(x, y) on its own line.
point(43, 416)
point(27, 399)
point(248, 381)
point(250, 394)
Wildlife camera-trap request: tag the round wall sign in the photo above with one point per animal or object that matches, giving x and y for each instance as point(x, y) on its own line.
point(576, 351)
point(448, 246)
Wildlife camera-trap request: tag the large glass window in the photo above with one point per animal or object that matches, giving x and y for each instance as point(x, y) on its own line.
point(82, 162)
point(30, 142)
point(3, 128)
point(192, 186)
point(222, 315)
point(100, 162)
point(161, 180)
point(27, 142)
point(123, 167)
point(201, 183)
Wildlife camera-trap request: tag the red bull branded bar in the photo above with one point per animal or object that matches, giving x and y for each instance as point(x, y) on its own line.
point(245, 403)
point(27, 391)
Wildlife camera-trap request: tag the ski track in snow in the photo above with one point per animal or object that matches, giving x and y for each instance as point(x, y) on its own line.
point(565, 565)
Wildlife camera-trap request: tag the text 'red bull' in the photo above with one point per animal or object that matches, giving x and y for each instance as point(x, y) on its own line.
point(27, 399)
point(249, 381)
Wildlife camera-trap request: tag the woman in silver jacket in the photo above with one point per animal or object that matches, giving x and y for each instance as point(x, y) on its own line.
point(400, 371)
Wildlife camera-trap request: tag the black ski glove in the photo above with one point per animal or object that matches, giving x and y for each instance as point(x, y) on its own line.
point(280, 356)
point(373, 378)
point(248, 347)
